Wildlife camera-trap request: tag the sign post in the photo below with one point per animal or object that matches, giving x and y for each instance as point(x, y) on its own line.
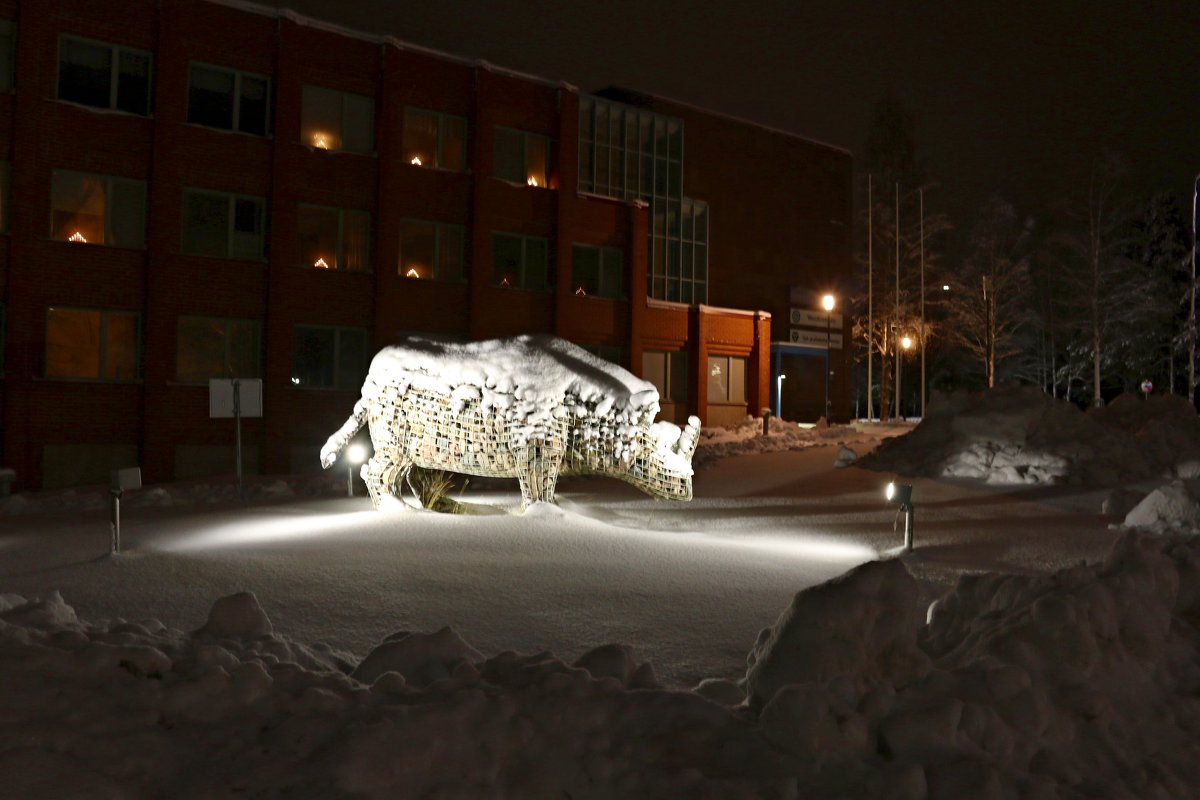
point(237, 398)
point(1147, 387)
point(122, 479)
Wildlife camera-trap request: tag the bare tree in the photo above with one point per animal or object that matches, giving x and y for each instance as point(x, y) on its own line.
point(989, 296)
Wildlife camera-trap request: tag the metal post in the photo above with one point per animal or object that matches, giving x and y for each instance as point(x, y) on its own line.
point(349, 479)
point(237, 417)
point(1192, 312)
point(908, 528)
point(115, 523)
point(921, 195)
point(870, 304)
point(828, 344)
point(897, 309)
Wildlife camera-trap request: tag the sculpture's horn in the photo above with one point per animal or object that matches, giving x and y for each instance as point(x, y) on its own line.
point(688, 437)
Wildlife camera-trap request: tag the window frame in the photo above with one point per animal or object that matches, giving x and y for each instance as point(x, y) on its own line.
point(340, 245)
point(109, 181)
point(670, 356)
point(524, 265)
point(114, 74)
point(729, 386)
point(238, 74)
point(341, 131)
point(227, 322)
point(103, 341)
point(441, 117)
point(337, 334)
point(232, 197)
point(525, 137)
point(601, 251)
point(438, 231)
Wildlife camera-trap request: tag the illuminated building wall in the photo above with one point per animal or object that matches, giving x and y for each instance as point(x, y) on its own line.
point(201, 189)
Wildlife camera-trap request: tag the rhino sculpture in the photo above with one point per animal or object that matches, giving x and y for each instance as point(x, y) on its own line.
point(529, 407)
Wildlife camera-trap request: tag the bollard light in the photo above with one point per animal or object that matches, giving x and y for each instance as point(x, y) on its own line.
point(355, 455)
point(901, 495)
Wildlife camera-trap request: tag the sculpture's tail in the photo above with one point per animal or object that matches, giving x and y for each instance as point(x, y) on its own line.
point(688, 438)
point(335, 443)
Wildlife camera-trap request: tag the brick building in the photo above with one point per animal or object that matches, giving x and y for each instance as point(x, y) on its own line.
point(202, 189)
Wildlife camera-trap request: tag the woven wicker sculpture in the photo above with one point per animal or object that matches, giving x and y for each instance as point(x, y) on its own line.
point(529, 407)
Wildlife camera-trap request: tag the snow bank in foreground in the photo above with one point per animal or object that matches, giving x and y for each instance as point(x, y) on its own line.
point(1021, 435)
point(1081, 684)
point(1172, 506)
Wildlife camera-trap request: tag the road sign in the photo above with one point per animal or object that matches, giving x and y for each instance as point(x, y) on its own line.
point(220, 397)
point(815, 319)
point(1147, 386)
point(816, 339)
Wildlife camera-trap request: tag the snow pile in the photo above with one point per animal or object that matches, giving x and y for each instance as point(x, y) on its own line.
point(528, 380)
point(746, 438)
point(1020, 435)
point(1174, 506)
point(1081, 684)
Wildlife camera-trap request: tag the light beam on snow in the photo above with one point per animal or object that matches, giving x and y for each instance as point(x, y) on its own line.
point(280, 530)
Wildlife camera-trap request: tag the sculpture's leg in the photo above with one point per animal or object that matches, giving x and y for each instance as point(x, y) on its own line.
point(383, 475)
point(538, 465)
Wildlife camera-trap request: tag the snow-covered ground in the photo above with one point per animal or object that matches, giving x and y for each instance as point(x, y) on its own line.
point(1036, 677)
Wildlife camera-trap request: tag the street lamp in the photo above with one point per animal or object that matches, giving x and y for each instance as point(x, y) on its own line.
point(355, 455)
point(827, 304)
point(779, 395)
point(906, 343)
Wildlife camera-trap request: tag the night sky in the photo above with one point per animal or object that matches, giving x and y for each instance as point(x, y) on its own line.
point(1014, 98)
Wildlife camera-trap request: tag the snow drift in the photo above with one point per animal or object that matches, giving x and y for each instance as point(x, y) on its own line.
point(1020, 435)
point(1081, 684)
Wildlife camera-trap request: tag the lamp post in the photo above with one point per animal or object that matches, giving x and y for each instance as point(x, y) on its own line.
point(779, 395)
point(827, 304)
point(905, 343)
point(355, 455)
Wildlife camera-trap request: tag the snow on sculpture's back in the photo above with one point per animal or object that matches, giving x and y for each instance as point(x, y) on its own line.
point(527, 407)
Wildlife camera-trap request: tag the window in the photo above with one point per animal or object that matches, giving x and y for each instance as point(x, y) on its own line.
point(326, 357)
point(596, 271)
point(103, 75)
point(7, 54)
point(431, 250)
point(520, 261)
point(521, 157)
point(726, 379)
point(433, 139)
point(332, 120)
point(91, 343)
point(216, 347)
point(335, 238)
point(668, 371)
point(610, 353)
point(228, 99)
point(97, 209)
point(223, 225)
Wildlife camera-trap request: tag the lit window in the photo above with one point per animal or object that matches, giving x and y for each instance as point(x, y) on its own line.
point(332, 120)
point(726, 379)
point(91, 343)
point(522, 157)
point(103, 75)
point(228, 99)
point(7, 54)
point(223, 225)
point(668, 371)
point(520, 262)
point(596, 271)
point(330, 358)
point(216, 347)
point(334, 238)
point(97, 209)
point(433, 139)
point(431, 250)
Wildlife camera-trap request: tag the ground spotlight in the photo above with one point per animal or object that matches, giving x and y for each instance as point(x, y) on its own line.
point(901, 495)
point(355, 455)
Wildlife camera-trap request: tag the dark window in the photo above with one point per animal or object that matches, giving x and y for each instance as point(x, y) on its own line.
point(228, 99)
point(216, 347)
point(521, 157)
point(7, 53)
point(86, 75)
point(334, 238)
point(520, 261)
point(433, 139)
point(596, 271)
point(223, 225)
point(92, 343)
point(332, 358)
point(333, 120)
point(668, 371)
point(97, 209)
point(431, 250)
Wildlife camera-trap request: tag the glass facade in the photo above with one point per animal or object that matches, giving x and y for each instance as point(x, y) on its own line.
point(633, 154)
